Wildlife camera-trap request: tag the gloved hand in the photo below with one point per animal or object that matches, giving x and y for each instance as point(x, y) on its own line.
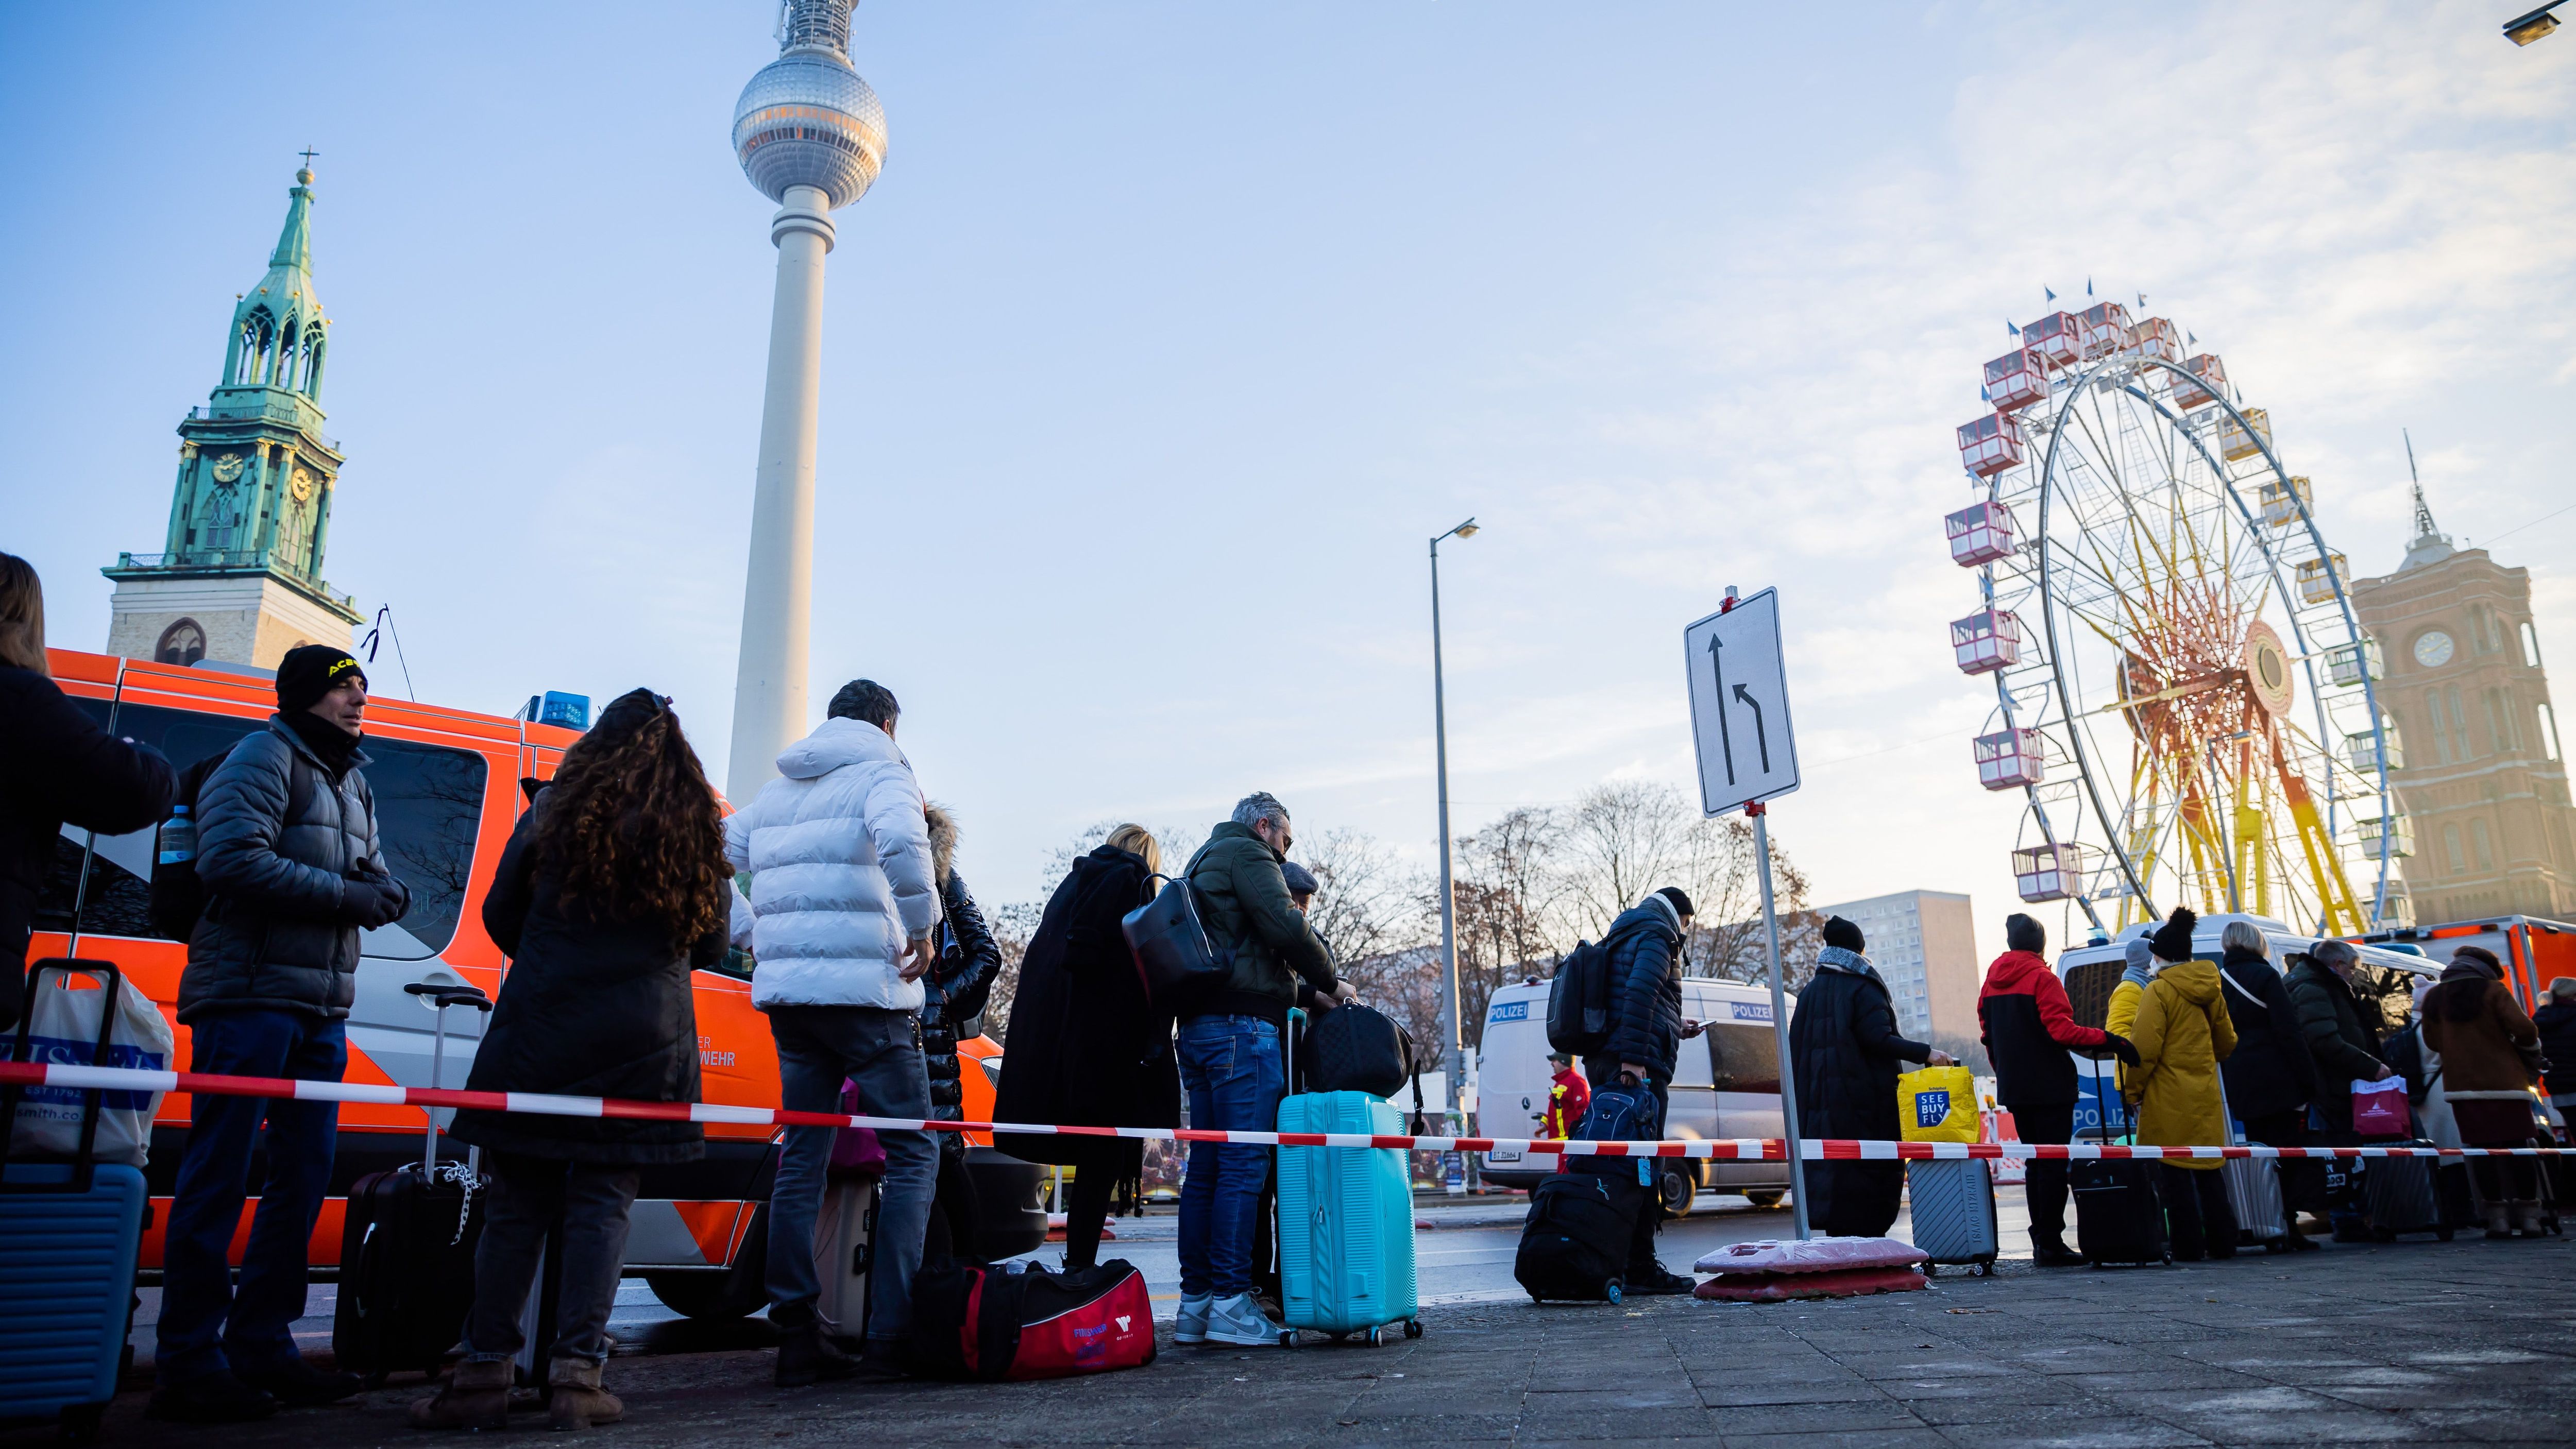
point(369, 904)
point(2120, 1048)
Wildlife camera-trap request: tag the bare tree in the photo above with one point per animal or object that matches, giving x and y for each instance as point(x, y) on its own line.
point(1619, 842)
point(1507, 897)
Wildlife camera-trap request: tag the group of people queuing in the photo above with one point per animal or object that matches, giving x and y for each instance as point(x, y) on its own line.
point(872, 960)
point(2199, 1043)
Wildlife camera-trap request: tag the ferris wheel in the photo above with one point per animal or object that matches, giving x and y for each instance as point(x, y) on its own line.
point(2182, 692)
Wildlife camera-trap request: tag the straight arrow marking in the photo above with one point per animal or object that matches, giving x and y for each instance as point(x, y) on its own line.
point(1761, 736)
point(1725, 737)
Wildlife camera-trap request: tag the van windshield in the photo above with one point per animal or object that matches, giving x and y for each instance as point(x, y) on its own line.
point(429, 808)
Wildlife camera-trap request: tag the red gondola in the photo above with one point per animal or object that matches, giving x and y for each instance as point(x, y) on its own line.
point(1986, 640)
point(2052, 339)
point(2155, 337)
point(1990, 444)
point(2196, 391)
point(1980, 534)
point(2102, 329)
point(2009, 759)
point(2016, 380)
point(2053, 872)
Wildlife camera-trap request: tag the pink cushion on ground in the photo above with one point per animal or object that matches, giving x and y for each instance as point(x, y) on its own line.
point(1815, 1255)
point(1834, 1283)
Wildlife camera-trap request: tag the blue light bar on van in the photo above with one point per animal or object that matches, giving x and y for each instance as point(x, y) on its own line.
point(572, 711)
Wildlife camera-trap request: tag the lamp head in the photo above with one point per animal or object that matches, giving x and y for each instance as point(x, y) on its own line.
point(1466, 529)
point(2524, 29)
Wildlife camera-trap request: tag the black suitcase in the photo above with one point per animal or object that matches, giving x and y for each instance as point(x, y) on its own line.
point(407, 1248)
point(2119, 1214)
point(1574, 1244)
point(2401, 1196)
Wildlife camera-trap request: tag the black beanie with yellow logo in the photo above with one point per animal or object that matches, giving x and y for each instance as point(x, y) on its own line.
point(310, 671)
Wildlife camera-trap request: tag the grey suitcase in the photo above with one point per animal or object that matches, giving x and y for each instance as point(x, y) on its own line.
point(2398, 1192)
point(2254, 1192)
point(1953, 1209)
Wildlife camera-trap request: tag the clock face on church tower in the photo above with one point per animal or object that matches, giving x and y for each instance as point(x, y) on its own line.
point(2432, 648)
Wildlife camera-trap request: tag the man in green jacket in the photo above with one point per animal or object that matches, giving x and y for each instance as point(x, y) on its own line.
point(1230, 1063)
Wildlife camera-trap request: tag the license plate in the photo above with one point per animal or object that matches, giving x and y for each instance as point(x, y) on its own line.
point(1503, 1156)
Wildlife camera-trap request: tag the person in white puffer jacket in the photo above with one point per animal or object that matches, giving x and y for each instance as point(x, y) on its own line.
point(839, 920)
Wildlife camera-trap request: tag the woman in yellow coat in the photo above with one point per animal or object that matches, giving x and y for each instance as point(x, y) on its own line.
point(2122, 1018)
point(2182, 1033)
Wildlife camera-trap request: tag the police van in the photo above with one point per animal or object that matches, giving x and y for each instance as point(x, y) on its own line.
point(1726, 1085)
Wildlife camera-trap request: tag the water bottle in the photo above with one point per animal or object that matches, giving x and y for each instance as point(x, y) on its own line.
point(178, 838)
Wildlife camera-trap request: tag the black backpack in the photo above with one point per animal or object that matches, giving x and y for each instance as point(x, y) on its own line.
point(1578, 1000)
point(178, 897)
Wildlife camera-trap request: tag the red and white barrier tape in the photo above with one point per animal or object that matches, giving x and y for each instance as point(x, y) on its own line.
point(1747, 1149)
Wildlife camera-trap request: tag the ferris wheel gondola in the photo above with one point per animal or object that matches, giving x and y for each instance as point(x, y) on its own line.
point(2183, 693)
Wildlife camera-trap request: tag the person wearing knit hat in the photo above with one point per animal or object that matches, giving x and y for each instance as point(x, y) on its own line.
point(1845, 1050)
point(2182, 1033)
point(287, 840)
point(1643, 1051)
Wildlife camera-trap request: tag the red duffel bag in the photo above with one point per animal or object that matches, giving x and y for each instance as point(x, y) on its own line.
point(971, 1321)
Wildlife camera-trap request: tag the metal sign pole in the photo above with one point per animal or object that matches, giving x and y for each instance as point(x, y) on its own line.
point(1780, 1021)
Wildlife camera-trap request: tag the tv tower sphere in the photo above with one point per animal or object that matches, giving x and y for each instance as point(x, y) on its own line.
point(807, 119)
point(811, 136)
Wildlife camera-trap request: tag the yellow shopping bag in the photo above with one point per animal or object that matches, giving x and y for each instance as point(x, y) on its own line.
point(1938, 1104)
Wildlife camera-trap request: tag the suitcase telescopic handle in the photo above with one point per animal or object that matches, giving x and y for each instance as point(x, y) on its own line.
point(85, 1160)
point(442, 995)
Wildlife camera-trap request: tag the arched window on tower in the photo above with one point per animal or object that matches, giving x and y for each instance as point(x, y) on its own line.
point(223, 520)
point(258, 338)
point(183, 644)
point(289, 343)
point(310, 375)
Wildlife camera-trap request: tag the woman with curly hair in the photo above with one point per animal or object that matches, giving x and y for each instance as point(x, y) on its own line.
point(612, 889)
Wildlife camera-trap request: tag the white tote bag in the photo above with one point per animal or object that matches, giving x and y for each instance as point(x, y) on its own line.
point(62, 1030)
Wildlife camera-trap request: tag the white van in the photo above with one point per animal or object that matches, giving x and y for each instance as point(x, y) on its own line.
point(1726, 1085)
point(2089, 972)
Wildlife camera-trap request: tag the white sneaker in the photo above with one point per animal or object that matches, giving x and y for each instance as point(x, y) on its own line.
point(1192, 1325)
point(1239, 1321)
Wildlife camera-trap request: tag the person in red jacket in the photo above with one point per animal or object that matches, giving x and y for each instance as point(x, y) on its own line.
point(1567, 1100)
point(2028, 1029)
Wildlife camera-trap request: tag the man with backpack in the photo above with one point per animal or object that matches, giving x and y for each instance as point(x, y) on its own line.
point(1631, 1070)
point(292, 870)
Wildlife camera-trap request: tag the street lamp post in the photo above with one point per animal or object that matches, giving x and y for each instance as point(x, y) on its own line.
point(1453, 1051)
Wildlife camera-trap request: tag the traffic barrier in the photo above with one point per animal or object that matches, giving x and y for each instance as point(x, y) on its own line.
point(78, 1077)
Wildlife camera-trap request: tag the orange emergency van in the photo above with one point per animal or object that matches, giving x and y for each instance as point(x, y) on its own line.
point(447, 790)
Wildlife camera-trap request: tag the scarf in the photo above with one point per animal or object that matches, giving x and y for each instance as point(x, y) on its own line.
point(332, 745)
point(1835, 958)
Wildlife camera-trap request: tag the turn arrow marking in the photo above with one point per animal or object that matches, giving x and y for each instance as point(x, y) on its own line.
point(1761, 737)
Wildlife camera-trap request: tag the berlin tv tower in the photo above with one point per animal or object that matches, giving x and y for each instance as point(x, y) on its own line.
point(811, 136)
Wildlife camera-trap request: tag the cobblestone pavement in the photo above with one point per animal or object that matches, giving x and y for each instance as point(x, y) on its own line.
point(2417, 1342)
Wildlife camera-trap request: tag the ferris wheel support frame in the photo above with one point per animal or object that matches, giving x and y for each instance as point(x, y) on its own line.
point(2315, 836)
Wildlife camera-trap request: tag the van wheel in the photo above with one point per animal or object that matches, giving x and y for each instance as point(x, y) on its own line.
point(1679, 1185)
point(1764, 1197)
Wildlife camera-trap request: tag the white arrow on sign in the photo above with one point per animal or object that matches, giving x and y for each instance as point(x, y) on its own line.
point(1740, 705)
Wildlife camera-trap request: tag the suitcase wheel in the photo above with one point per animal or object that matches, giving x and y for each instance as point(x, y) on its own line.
point(1287, 1338)
point(78, 1423)
point(1610, 1290)
point(1413, 1328)
point(1986, 1269)
point(1374, 1338)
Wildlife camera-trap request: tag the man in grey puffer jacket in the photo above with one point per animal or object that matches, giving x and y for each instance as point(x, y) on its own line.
point(288, 853)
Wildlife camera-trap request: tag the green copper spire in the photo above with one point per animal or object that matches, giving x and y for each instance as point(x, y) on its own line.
point(279, 333)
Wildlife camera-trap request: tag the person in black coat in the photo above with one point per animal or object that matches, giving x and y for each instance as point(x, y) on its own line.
point(56, 766)
point(611, 890)
point(1846, 1054)
point(1086, 1046)
point(2557, 1022)
point(2270, 1076)
point(953, 994)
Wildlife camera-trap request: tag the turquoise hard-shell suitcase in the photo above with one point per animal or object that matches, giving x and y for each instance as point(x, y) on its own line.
point(1345, 1221)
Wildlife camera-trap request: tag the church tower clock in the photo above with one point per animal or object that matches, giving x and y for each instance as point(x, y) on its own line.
point(239, 575)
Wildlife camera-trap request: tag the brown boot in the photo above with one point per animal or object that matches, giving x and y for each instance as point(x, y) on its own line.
point(578, 1401)
point(476, 1396)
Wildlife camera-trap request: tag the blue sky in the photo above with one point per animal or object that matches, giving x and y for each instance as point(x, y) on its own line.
point(1172, 332)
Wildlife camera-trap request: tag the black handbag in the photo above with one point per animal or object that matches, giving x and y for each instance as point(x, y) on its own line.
point(1174, 957)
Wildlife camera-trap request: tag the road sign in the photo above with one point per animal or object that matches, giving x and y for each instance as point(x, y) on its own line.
point(1740, 705)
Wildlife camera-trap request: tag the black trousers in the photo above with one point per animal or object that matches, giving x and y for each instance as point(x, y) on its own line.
point(2303, 1181)
point(2045, 1183)
point(2197, 1214)
point(951, 1230)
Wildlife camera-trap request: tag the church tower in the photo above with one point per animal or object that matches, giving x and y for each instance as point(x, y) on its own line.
point(239, 575)
point(2483, 775)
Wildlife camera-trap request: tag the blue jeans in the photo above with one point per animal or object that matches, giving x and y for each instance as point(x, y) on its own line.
point(1232, 1069)
point(819, 1046)
point(205, 1325)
